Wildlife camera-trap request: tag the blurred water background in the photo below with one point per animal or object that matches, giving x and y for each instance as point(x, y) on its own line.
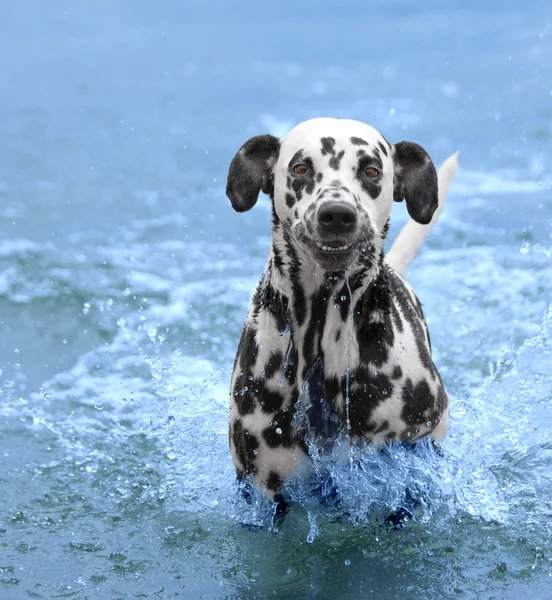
point(125, 277)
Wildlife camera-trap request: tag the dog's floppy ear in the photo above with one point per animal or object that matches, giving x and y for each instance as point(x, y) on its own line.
point(415, 181)
point(251, 170)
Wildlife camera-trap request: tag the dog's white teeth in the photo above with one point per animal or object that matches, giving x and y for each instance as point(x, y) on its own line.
point(332, 249)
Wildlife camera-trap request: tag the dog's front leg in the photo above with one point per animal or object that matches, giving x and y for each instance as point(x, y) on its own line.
point(263, 394)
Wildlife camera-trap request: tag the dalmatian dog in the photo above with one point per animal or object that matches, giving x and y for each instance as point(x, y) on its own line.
point(333, 326)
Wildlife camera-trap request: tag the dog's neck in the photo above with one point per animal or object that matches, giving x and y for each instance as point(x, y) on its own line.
point(310, 293)
point(321, 310)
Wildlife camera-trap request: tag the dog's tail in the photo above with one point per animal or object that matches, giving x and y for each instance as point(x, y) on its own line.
point(412, 235)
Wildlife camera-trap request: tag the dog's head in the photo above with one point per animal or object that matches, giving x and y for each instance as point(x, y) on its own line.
point(332, 183)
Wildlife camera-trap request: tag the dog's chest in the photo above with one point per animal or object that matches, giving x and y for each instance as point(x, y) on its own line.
point(326, 333)
point(368, 362)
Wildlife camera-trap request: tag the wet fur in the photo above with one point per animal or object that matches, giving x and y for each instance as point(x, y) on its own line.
point(348, 333)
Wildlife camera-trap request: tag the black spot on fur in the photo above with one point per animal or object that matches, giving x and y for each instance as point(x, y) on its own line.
point(369, 391)
point(397, 372)
point(246, 445)
point(277, 257)
point(383, 148)
point(328, 147)
point(300, 304)
point(247, 353)
point(396, 317)
point(244, 400)
point(328, 144)
point(280, 432)
point(385, 229)
point(315, 328)
point(319, 177)
point(375, 329)
point(271, 401)
point(359, 141)
point(290, 200)
point(419, 402)
point(274, 364)
point(274, 481)
point(290, 372)
point(274, 302)
point(344, 305)
point(336, 160)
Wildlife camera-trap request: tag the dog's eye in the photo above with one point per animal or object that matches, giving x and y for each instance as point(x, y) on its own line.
point(371, 172)
point(300, 169)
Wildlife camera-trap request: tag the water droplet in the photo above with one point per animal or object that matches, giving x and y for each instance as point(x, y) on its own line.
point(336, 305)
point(524, 248)
point(347, 562)
point(98, 405)
point(278, 431)
point(343, 297)
point(409, 434)
point(429, 423)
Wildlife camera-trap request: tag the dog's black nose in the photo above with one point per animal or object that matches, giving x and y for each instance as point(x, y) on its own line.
point(337, 217)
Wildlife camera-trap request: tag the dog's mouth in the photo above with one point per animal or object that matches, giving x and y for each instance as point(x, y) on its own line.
point(334, 246)
point(332, 253)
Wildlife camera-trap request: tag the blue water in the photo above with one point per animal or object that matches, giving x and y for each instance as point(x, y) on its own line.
point(125, 277)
